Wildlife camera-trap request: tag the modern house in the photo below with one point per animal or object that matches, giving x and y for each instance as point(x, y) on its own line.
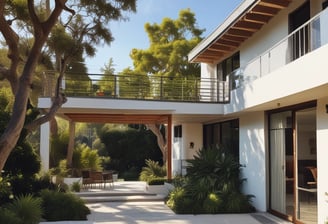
point(263, 92)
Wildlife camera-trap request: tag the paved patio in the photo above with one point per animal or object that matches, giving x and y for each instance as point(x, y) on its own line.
point(143, 211)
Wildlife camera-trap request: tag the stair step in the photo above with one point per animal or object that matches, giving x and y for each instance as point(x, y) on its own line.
point(112, 194)
point(122, 198)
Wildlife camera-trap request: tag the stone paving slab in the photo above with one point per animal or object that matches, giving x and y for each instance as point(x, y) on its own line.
point(155, 212)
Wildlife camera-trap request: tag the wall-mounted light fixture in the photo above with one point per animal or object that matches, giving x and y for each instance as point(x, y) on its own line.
point(191, 145)
point(327, 108)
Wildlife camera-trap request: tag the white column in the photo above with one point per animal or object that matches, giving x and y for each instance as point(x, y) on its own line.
point(322, 161)
point(45, 146)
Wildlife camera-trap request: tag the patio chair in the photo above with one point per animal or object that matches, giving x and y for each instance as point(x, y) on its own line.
point(86, 179)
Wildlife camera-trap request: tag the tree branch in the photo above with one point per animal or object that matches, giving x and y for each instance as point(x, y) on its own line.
point(56, 104)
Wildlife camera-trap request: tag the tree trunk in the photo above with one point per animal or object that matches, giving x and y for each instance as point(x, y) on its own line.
point(21, 87)
point(162, 144)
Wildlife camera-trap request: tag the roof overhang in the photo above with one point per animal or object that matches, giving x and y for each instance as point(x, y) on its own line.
point(245, 20)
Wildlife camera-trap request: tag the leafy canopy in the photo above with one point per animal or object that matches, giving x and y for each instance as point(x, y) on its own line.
point(170, 43)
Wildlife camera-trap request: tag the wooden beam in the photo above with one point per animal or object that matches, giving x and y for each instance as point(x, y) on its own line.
point(239, 33)
point(227, 43)
point(248, 25)
point(222, 48)
point(234, 38)
point(257, 18)
point(265, 10)
point(279, 4)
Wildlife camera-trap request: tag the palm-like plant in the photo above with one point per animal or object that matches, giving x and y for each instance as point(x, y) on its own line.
point(152, 170)
point(27, 208)
point(216, 168)
point(213, 177)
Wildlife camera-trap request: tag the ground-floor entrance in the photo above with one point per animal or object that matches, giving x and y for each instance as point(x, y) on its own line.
point(293, 163)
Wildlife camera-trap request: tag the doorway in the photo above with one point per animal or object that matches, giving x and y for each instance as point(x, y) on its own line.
point(300, 39)
point(292, 161)
point(306, 169)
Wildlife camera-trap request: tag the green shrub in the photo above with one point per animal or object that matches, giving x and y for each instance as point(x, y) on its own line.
point(76, 187)
point(152, 170)
point(6, 193)
point(131, 174)
point(23, 160)
point(213, 203)
point(156, 181)
point(27, 208)
point(60, 206)
point(238, 203)
point(8, 216)
point(213, 177)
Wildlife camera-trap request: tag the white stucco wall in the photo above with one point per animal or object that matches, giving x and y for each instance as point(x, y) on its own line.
point(45, 146)
point(253, 156)
point(322, 159)
point(192, 132)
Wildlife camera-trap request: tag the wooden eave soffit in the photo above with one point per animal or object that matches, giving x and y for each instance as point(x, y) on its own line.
point(248, 24)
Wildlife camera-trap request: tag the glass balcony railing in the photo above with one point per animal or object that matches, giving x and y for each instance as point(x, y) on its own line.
point(139, 87)
point(310, 36)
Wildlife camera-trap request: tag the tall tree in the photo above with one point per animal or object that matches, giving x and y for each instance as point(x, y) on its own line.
point(170, 43)
point(40, 19)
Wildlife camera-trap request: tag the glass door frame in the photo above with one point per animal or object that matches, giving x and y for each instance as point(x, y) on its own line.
point(293, 109)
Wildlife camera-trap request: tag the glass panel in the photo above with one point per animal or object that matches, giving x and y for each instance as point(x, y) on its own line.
point(306, 166)
point(281, 163)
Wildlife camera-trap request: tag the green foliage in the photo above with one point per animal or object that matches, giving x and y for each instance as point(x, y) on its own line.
point(86, 158)
point(134, 84)
point(27, 208)
point(60, 206)
point(128, 148)
point(6, 193)
point(58, 148)
point(76, 187)
point(215, 167)
point(212, 185)
point(131, 174)
point(170, 43)
point(8, 216)
point(23, 160)
point(213, 203)
point(6, 103)
point(180, 202)
point(156, 181)
point(152, 171)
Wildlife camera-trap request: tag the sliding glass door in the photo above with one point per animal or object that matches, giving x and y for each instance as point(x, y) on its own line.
point(306, 158)
point(281, 155)
point(293, 164)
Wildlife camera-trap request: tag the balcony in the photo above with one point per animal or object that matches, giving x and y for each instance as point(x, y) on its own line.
point(138, 87)
point(312, 35)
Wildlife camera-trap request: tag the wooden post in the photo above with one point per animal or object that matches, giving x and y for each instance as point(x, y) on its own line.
point(169, 147)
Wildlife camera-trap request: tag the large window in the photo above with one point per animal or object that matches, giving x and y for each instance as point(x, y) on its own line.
point(227, 66)
point(225, 134)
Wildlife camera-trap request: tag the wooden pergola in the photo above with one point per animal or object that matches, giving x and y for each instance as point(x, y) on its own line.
point(123, 119)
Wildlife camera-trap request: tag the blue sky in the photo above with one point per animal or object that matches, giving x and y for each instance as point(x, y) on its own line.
point(131, 34)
